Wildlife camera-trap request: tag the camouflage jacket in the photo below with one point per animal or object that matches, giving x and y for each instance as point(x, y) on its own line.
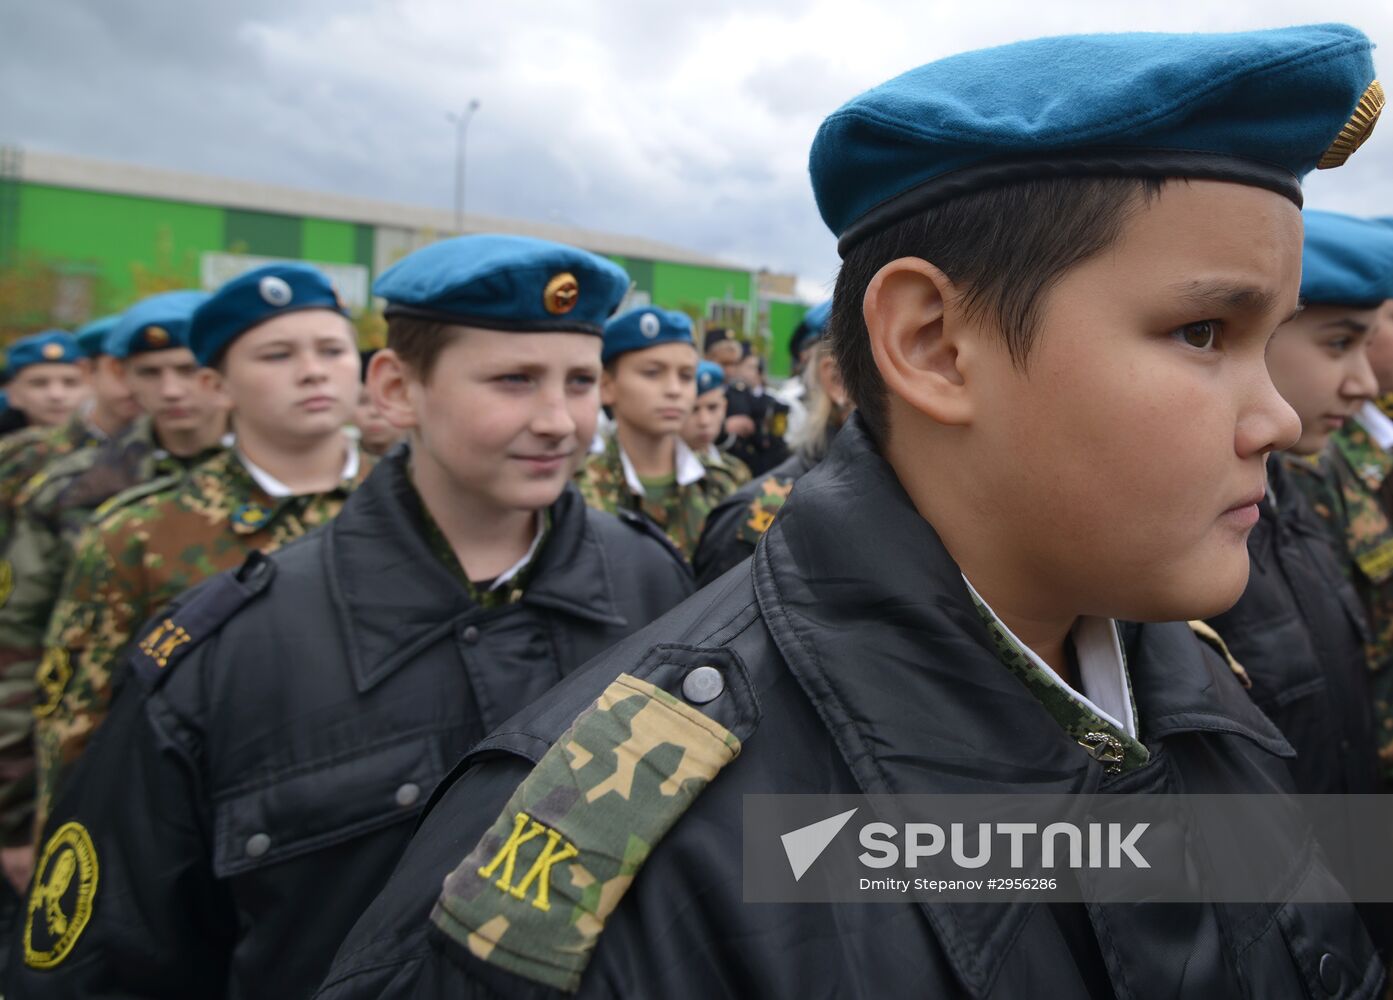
point(1348, 488)
point(136, 556)
point(681, 515)
point(737, 522)
point(51, 510)
point(23, 455)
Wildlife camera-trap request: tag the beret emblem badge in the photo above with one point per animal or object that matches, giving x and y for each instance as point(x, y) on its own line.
point(1359, 127)
point(561, 294)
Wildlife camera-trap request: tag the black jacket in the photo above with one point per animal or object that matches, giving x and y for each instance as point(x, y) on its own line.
point(1299, 632)
point(248, 798)
point(853, 661)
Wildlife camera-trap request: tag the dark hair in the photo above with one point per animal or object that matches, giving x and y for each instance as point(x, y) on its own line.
point(1004, 247)
point(419, 342)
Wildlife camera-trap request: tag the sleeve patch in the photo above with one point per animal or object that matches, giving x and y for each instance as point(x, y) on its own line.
point(60, 899)
point(534, 894)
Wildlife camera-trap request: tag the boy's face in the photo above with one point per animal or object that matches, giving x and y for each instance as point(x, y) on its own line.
point(1381, 348)
point(48, 394)
point(652, 390)
point(376, 434)
point(294, 378)
point(167, 386)
point(704, 425)
point(505, 417)
point(1320, 365)
point(1121, 469)
point(110, 390)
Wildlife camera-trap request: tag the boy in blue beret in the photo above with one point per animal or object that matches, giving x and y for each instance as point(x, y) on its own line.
point(1062, 263)
point(706, 424)
point(112, 407)
point(1346, 283)
point(287, 365)
point(649, 386)
point(323, 691)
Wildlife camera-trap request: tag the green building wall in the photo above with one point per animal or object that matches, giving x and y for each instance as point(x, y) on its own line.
point(135, 246)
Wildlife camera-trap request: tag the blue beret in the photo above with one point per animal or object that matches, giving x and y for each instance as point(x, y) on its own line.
point(1258, 107)
point(645, 327)
point(710, 376)
point(52, 347)
point(1346, 261)
point(812, 327)
point(92, 336)
point(505, 283)
point(251, 299)
point(158, 323)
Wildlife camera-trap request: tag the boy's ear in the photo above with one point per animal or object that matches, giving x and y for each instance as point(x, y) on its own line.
point(210, 380)
point(923, 353)
point(389, 382)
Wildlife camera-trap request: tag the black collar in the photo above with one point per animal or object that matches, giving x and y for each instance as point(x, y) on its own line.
point(873, 618)
point(394, 596)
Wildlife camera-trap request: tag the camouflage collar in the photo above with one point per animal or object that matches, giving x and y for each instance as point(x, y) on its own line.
point(688, 467)
point(1369, 462)
point(250, 508)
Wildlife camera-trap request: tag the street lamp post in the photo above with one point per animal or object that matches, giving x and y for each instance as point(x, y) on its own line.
point(461, 121)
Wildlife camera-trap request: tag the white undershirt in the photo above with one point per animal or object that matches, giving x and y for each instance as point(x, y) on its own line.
point(689, 468)
point(1102, 668)
point(1376, 422)
point(507, 575)
point(276, 489)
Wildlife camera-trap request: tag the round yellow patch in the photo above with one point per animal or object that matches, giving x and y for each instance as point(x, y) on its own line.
point(7, 581)
point(53, 352)
point(157, 336)
point(52, 678)
point(60, 902)
point(561, 294)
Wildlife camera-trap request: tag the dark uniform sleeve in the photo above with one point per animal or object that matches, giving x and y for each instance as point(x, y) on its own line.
point(124, 902)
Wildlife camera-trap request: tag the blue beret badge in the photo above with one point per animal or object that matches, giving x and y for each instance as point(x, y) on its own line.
point(1359, 127)
point(649, 325)
point(157, 337)
point(53, 352)
point(561, 294)
point(275, 291)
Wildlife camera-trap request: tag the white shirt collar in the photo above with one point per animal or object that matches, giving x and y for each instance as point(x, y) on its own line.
point(276, 489)
point(1376, 422)
point(689, 468)
point(507, 575)
point(1102, 668)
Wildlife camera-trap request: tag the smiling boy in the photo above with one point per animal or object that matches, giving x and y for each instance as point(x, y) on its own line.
point(325, 690)
point(1062, 263)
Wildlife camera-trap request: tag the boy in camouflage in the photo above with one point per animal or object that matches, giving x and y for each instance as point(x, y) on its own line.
point(147, 352)
point(706, 425)
point(649, 383)
point(277, 343)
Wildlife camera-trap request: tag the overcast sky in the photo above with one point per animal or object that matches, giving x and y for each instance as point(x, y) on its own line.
point(688, 123)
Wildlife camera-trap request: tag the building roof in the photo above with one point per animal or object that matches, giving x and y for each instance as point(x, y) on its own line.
point(62, 170)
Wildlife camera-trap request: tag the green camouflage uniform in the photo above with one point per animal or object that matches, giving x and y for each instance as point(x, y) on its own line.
point(22, 456)
point(133, 559)
point(51, 511)
point(1103, 741)
point(681, 513)
point(738, 471)
point(1349, 486)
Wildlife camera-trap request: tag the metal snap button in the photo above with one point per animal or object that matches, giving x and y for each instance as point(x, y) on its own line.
point(702, 685)
point(257, 845)
point(1331, 976)
point(471, 635)
point(408, 793)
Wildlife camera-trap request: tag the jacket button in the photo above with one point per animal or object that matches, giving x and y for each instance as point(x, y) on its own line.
point(1330, 975)
point(471, 635)
point(702, 685)
point(258, 844)
point(408, 793)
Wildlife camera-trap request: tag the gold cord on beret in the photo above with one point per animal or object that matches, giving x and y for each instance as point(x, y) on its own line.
point(1359, 127)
